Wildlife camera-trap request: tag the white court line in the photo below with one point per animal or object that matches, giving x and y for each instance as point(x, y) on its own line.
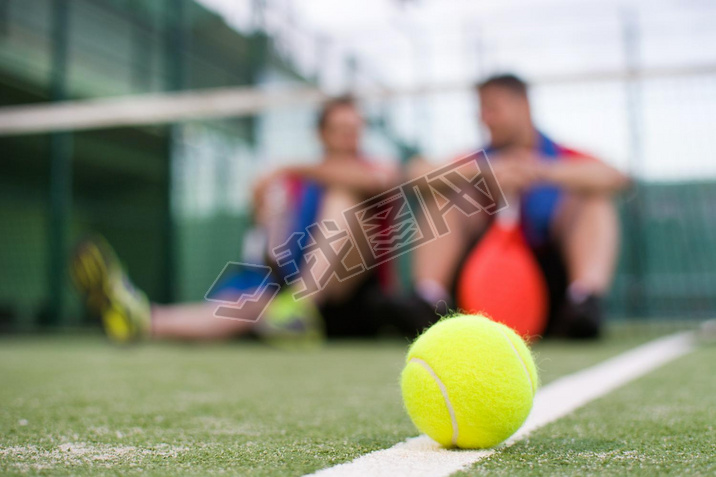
point(422, 457)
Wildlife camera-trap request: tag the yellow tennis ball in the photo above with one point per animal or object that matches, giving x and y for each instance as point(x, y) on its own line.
point(469, 382)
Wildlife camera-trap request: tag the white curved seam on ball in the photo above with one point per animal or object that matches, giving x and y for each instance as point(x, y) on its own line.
point(522, 361)
point(443, 390)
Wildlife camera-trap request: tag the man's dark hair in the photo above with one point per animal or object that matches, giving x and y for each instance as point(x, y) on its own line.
point(332, 104)
point(508, 81)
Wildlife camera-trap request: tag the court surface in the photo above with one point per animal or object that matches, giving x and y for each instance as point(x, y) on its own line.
point(76, 405)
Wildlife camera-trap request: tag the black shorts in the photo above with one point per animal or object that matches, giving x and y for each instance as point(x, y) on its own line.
point(361, 315)
point(369, 311)
point(551, 262)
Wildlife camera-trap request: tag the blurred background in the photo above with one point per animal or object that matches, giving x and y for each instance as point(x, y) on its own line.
point(633, 82)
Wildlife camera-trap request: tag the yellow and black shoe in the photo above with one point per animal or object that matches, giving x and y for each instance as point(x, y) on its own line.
point(291, 324)
point(97, 273)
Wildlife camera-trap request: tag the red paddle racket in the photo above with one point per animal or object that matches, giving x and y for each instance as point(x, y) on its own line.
point(502, 279)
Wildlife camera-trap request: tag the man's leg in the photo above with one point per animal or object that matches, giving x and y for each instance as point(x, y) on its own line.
point(194, 322)
point(587, 228)
point(435, 267)
point(587, 231)
point(335, 201)
point(436, 263)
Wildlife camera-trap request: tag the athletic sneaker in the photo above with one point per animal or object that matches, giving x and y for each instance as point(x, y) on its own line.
point(291, 324)
point(411, 314)
point(98, 274)
point(581, 320)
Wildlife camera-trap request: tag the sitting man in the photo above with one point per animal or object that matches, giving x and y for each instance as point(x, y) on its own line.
point(285, 202)
point(567, 215)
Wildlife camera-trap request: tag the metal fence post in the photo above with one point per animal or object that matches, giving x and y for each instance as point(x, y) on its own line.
point(174, 48)
point(60, 194)
point(637, 303)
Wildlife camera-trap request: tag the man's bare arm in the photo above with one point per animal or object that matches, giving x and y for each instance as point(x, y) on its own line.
point(355, 176)
point(584, 176)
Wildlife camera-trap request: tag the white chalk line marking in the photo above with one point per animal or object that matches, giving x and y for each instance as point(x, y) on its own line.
point(423, 457)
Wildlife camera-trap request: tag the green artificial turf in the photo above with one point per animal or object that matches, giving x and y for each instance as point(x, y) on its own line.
point(661, 424)
point(76, 405)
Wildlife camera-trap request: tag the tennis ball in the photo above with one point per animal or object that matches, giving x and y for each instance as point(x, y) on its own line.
point(468, 382)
